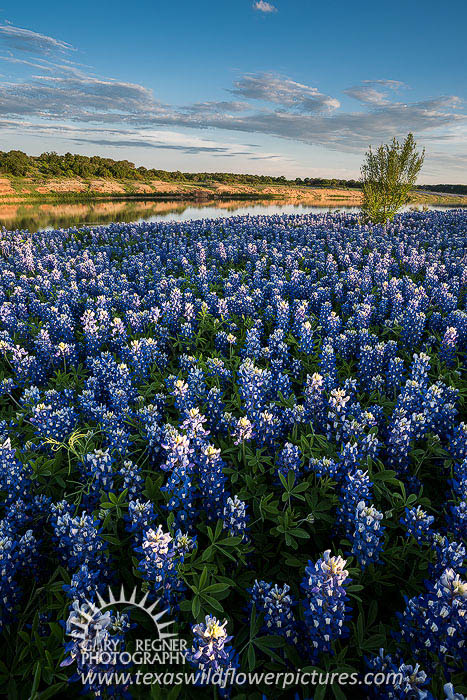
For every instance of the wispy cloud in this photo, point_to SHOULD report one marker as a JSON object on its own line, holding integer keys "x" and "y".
{"x": 265, "y": 7}
{"x": 116, "y": 113}
{"x": 148, "y": 139}
{"x": 75, "y": 97}
{"x": 284, "y": 92}
{"x": 300, "y": 113}
{"x": 374, "y": 92}
{"x": 18, "y": 39}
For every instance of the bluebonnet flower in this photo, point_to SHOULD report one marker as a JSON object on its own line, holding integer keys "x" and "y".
{"x": 149, "y": 418}
{"x": 315, "y": 404}
{"x": 412, "y": 682}
{"x": 268, "y": 428}
{"x": 403, "y": 681}
{"x": 325, "y": 605}
{"x": 457, "y": 520}
{"x": 252, "y": 347}
{"x": 328, "y": 366}
{"x": 132, "y": 479}
{"x": 14, "y": 476}
{"x": 413, "y": 325}
{"x": 338, "y": 409}
{"x": 399, "y": 441}
{"x": 184, "y": 543}
{"x": 221, "y": 343}
{"x": 19, "y": 557}
{"x": 417, "y": 524}
{"x": 275, "y": 603}
{"x": 216, "y": 368}
{"x": 84, "y": 584}
{"x": 215, "y": 409}
{"x": 158, "y": 561}
{"x": 9, "y": 589}
{"x": 325, "y": 468}
{"x": 355, "y": 488}
{"x": 211, "y": 480}
{"x": 306, "y": 341}
{"x": 211, "y": 649}
{"x": 433, "y": 624}
{"x": 181, "y": 392}
{"x": 79, "y": 540}
{"x": 140, "y": 517}
{"x": 289, "y": 459}
{"x": 243, "y": 431}
{"x": 92, "y": 631}
{"x": 235, "y": 519}
{"x": 194, "y": 427}
{"x": 370, "y": 365}
{"x": 447, "y": 350}
{"x": 196, "y": 387}
{"x": 254, "y": 386}
{"x": 179, "y": 463}
{"x": 458, "y": 441}
{"x": 99, "y": 471}
{"x": 448, "y": 555}
{"x": 366, "y": 539}
{"x": 451, "y": 693}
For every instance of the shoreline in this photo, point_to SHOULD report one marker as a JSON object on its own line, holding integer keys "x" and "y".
{"x": 17, "y": 191}
{"x": 89, "y": 198}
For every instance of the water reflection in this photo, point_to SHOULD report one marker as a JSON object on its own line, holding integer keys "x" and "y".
{"x": 36, "y": 217}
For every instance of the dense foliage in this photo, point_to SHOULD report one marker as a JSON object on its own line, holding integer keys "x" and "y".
{"x": 69, "y": 165}
{"x": 388, "y": 176}
{"x": 257, "y": 419}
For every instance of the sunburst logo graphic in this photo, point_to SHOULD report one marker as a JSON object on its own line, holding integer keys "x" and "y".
{"x": 95, "y": 612}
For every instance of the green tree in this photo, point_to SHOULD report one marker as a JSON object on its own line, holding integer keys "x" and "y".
{"x": 388, "y": 175}
{"x": 15, "y": 162}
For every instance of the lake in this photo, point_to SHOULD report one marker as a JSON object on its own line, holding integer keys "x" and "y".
{"x": 37, "y": 217}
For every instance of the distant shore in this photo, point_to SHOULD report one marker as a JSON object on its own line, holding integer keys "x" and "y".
{"x": 27, "y": 189}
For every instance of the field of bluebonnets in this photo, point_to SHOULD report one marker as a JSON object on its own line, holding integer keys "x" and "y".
{"x": 258, "y": 420}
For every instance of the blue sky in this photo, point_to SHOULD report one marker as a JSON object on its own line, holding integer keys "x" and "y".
{"x": 288, "y": 87}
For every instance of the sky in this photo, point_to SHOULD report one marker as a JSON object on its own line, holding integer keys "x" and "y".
{"x": 289, "y": 87}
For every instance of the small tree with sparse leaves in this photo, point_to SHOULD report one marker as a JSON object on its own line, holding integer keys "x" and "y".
{"x": 388, "y": 175}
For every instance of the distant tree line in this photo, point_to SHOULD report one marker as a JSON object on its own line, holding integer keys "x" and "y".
{"x": 449, "y": 189}
{"x": 52, "y": 164}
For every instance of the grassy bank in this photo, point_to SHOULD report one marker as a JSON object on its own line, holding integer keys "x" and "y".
{"x": 14, "y": 189}
{"x": 49, "y": 190}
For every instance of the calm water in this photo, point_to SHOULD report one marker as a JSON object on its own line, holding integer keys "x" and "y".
{"x": 37, "y": 217}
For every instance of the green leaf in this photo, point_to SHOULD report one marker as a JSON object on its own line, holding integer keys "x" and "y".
{"x": 213, "y": 603}
{"x": 196, "y": 606}
{"x": 53, "y": 690}
{"x": 338, "y": 693}
{"x": 216, "y": 588}
{"x": 270, "y": 641}
{"x": 251, "y": 657}
{"x": 202, "y": 579}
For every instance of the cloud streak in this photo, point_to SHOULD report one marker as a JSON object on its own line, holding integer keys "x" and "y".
{"x": 284, "y": 92}
{"x": 18, "y": 39}
{"x": 271, "y": 105}
{"x": 374, "y": 92}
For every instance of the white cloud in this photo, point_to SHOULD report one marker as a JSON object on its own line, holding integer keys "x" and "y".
{"x": 285, "y": 92}
{"x": 19, "y": 39}
{"x": 374, "y": 92}
{"x": 265, "y": 7}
